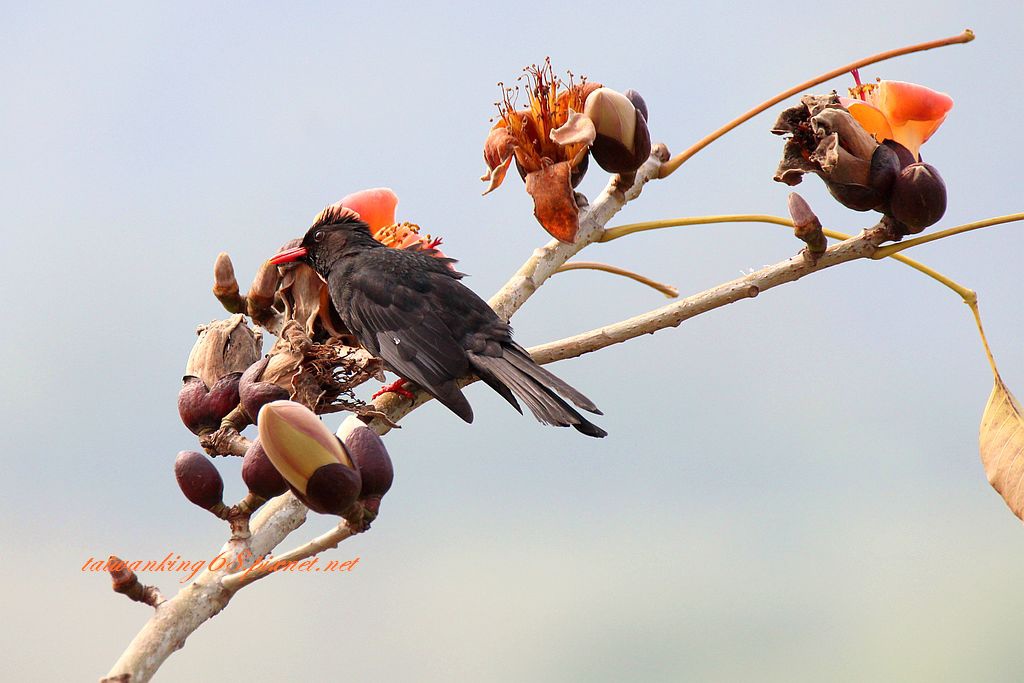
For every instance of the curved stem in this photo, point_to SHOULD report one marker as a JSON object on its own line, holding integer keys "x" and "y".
{"x": 965, "y": 293}
{"x": 967, "y": 227}
{"x": 984, "y": 340}
{"x": 668, "y": 290}
{"x": 678, "y": 160}
{"x": 623, "y": 230}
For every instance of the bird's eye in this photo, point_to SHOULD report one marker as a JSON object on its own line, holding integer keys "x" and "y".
{"x": 318, "y": 236}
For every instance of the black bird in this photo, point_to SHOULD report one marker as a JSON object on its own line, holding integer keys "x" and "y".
{"x": 407, "y": 307}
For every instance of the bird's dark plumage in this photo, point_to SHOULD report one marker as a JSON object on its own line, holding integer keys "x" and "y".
{"x": 408, "y": 308}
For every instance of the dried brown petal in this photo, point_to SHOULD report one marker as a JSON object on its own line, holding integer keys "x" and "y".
{"x": 223, "y": 347}
{"x": 554, "y": 203}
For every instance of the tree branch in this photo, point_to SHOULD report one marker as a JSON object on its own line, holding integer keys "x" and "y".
{"x": 746, "y": 287}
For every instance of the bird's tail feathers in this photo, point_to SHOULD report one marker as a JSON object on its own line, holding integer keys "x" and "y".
{"x": 515, "y": 374}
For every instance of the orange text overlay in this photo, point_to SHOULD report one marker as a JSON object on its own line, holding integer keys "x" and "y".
{"x": 243, "y": 561}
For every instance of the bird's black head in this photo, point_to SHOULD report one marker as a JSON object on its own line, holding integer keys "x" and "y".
{"x": 336, "y": 232}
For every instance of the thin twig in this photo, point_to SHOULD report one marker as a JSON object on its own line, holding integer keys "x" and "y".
{"x": 891, "y": 249}
{"x": 265, "y": 567}
{"x": 668, "y": 290}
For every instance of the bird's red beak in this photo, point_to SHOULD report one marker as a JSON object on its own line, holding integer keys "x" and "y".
{"x": 289, "y": 255}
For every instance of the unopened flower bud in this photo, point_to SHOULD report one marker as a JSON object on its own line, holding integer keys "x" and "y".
{"x": 223, "y": 347}
{"x": 918, "y": 197}
{"x": 309, "y": 457}
{"x": 613, "y": 127}
{"x": 263, "y": 289}
{"x": 370, "y": 456}
{"x": 202, "y": 409}
{"x": 259, "y": 474}
{"x": 638, "y": 102}
{"x": 199, "y": 480}
{"x": 254, "y": 394}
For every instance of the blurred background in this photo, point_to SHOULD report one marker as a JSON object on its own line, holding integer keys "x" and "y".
{"x": 791, "y": 488}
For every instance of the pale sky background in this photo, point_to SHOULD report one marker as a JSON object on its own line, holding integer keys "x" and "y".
{"x": 791, "y": 488}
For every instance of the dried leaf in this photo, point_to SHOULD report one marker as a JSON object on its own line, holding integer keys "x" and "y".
{"x": 553, "y": 202}
{"x": 1002, "y": 446}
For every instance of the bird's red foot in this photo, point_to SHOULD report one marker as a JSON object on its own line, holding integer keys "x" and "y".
{"x": 396, "y": 387}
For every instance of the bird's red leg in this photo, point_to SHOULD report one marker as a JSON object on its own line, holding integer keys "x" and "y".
{"x": 396, "y": 387}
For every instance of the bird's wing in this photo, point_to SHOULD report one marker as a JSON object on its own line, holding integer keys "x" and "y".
{"x": 396, "y": 320}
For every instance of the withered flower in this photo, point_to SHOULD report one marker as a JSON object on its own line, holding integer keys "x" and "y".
{"x": 551, "y": 140}
{"x": 209, "y": 389}
{"x": 828, "y": 141}
{"x": 223, "y": 347}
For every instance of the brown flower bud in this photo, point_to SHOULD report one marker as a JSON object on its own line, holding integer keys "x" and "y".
{"x": 370, "y": 456}
{"x": 254, "y": 394}
{"x": 202, "y": 409}
{"x": 259, "y": 474}
{"x": 199, "y": 480}
{"x": 262, "y": 291}
{"x": 311, "y": 458}
{"x": 223, "y": 347}
{"x": 918, "y": 197}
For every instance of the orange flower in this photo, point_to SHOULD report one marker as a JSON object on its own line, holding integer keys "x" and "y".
{"x": 552, "y": 138}
{"x": 376, "y": 208}
{"x": 894, "y": 110}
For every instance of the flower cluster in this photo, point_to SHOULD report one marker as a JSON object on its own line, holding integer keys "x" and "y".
{"x": 552, "y": 138}
{"x": 866, "y": 148}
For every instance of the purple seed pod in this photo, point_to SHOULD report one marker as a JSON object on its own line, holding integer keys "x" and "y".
{"x": 202, "y": 410}
{"x": 198, "y": 479}
{"x": 333, "y": 489}
{"x": 254, "y": 394}
{"x": 259, "y": 474}
{"x": 918, "y": 197}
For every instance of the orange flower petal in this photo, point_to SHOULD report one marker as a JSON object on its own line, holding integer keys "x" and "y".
{"x": 375, "y": 206}
{"x": 869, "y": 117}
{"x": 553, "y": 202}
{"x": 914, "y": 111}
